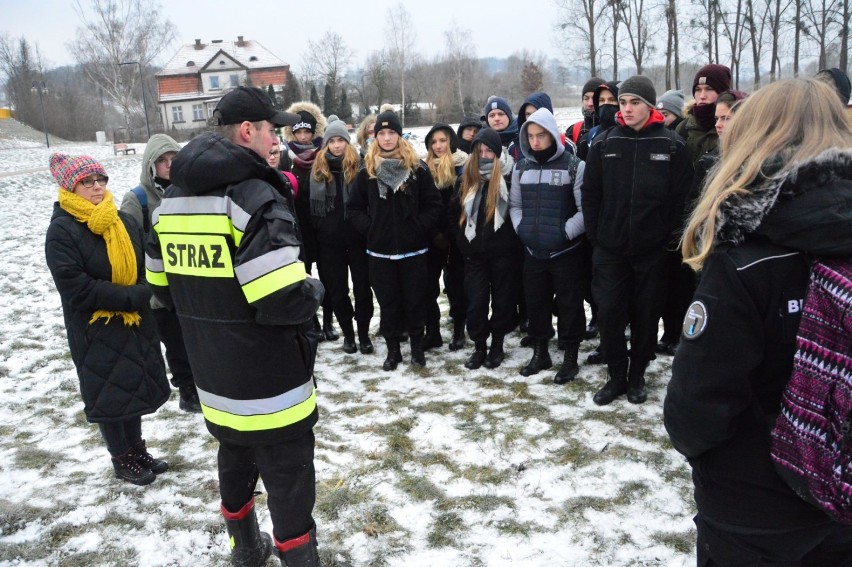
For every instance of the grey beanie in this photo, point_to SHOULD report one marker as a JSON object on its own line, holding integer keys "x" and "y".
{"x": 641, "y": 87}
{"x": 673, "y": 101}
{"x": 336, "y": 128}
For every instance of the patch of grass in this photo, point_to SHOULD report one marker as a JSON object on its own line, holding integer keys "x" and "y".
{"x": 358, "y": 410}
{"x": 482, "y": 503}
{"x": 336, "y": 495}
{"x": 682, "y": 542}
{"x": 521, "y": 391}
{"x": 34, "y": 458}
{"x": 14, "y": 516}
{"x": 377, "y": 521}
{"x": 420, "y": 488}
{"x": 483, "y": 474}
{"x": 574, "y": 453}
{"x": 446, "y": 530}
{"x": 440, "y": 407}
{"x": 436, "y": 458}
{"x": 491, "y": 382}
{"x": 514, "y": 527}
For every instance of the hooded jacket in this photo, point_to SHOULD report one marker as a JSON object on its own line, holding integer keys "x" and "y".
{"x": 224, "y": 251}
{"x": 545, "y": 199}
{"x": 634, "y": 187}
{"x": 465, "y": 145}
{"x": 698, "y": 140}
{"x": 720, "y": 409}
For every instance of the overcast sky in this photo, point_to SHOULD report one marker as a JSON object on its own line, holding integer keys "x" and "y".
{"x": 285, "y": 26}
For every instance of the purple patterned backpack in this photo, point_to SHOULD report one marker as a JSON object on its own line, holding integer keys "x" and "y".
{"x": 812, "y": 437}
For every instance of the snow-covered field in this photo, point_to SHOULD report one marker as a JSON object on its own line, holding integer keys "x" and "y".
{"x": 441, "y": 466}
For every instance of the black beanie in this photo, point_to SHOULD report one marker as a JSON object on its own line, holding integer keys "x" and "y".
{"x": 591, "y": 85}
{"x": 839, "y": 81}
{"x": 306, "y": 121}
{"x": 491, "y": 139}
{"x": 641, "y": 87}
{"x": 454, "y": 141}
{"x": 388, "y": 119}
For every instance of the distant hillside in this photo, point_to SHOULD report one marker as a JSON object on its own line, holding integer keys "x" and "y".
{"x": 14, "y": 134}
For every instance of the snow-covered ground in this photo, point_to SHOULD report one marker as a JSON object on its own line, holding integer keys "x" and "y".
{"x": 441, "y": 466}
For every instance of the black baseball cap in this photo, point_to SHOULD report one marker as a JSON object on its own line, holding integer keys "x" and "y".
{"x": 250, "y": 104}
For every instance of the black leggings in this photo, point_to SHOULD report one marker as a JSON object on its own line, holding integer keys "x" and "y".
{"x": 120, "y": 435}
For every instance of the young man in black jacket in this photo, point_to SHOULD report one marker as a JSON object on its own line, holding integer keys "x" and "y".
{"x": 637, "y": 175}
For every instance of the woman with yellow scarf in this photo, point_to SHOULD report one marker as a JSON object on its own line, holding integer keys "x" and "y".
{"x": 95, "y": 255}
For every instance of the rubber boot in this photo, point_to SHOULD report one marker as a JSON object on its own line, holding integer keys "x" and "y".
{"x": 496, "y": 356}
{"x": 595, "y": 357}
{"x": 636, "y": 393}
{"x": 328, "y": 325}
{"x": 458, "y": 336}
{"x": 615, "y": 386}
{"x": 250, "y": 547}
{"x": 569, "y": 369}
{"x": 478, "y": 356}
{"x": 147, "y": 460}
{"x": 365, "y": 345}
{"x": 394, "y": 355}
{"x": 300, "y": 551}
{"x": 349, "y": 346}
{"x": 418, "y": 355}
{"x": 540, "y": 359}
{"x": 433, "y": 337}
{"x": 127, "y": 467}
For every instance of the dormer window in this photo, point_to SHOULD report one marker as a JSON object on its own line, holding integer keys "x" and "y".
{"x": 253, "y": 58}
{"x": 190, "y": 63}
{"x": 221, "y": 62}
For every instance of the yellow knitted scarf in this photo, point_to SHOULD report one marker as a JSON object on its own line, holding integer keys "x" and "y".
{"x": 102, "y": 219}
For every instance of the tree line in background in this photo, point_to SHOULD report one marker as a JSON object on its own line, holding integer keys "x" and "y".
{"x": 667, "y": 40}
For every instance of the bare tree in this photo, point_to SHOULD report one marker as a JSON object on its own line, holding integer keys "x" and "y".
{"x": 636, "y": 16}
{"x": 844, "y": 37}
{"x": 707, "y": 21}
{"x": 823, "y": 17}
{"x": 579, "y": 22}
{"x": 732, "y": 21}
{"x": 377, "y": 74}
{"x": 402, "y": 35}
{"x": 774, "y": 14}
{"x": 614, "y": 14}
{"x": 460, "y": 54}
{"x": 20, "y": 65}
{"x": 329, "y": 58}
{"x": 114, "y": 32}
{"x": 672, "y": 45}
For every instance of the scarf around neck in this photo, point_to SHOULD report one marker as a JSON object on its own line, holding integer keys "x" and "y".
{"x": 391, "y": 173}
{"x": 102, "y": 219}
{"x": 473, "y": 201}
{"x": 323, "y": 192}
{"x": 305, "y": 154}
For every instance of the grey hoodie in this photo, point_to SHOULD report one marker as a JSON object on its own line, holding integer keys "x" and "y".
{"x": 157, "y": 146}
{"x": 536, "y": 177}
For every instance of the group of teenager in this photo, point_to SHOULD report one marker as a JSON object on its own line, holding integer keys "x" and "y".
{"x": 518, "y": 222}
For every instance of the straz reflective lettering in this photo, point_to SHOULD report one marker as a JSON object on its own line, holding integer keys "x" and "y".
{"x": 197, "y": 255}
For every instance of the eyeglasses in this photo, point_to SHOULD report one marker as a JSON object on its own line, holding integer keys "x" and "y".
{"x": 89, "y": 182}
{"x": 274, "y": 154}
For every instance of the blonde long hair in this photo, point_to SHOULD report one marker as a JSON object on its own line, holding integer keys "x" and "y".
{"x": 403, "y": 151}
{"x": 351, "y": 164}
{"x": 794, "y": 120}
{"x": 443, "y": 169}
{"x": 471, "y": 181}
{"x": 361, "y": 133}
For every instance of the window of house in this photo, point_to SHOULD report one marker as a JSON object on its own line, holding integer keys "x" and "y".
{"x": 177, "y": 114}
{"x": 235, "y": 81}
{"x": 198, "y": 112}
{"x": 214, "y": 83}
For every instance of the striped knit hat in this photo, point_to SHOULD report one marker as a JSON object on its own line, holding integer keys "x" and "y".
{"x": 69, "y": 170}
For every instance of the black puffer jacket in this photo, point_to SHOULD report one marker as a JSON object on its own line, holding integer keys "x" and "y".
{"x": 720, "y": 408}
{"x": 120, "y": 368}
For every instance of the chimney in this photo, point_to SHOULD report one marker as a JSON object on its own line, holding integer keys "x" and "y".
{"x": 198, "y": 44}
{"x": 240, "y": 41}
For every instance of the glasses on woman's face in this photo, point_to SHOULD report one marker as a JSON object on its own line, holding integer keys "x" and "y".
{"x": 275, "y": 154}
{"x": 89, "y": 182}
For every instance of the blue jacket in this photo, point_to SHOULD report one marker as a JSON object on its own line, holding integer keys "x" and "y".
{"x": 544, "y": 199}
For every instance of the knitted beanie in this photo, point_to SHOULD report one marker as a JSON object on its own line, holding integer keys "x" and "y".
{"x": 496, "y": 103}
{"x": 69, "y": 170}
{"x": 454, "y": 141}
{"x": 672, "y": 101}
{"x": 837, "y": 79}
{"x": 491, "y": 139}
{"x": 335, "y": 128}
{"x": 307, "y": 121}
{"x": 641, "y": 87}
{"x": 332, "y": 118}
{"x": 717, "y": 77}
{"x": 591, "y": 85}
{"x": 388, "y": 119}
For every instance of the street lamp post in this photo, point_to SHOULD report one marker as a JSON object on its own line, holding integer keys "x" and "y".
{"x": 40, "y": 88}
{"x": 142, "y": 83}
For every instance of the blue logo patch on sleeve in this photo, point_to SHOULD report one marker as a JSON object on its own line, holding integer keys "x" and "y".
{"x": 695, "y": 322}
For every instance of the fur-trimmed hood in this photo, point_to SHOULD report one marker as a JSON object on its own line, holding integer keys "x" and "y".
{"x": 315, "y": 110}
{"x": 807, "y": 207}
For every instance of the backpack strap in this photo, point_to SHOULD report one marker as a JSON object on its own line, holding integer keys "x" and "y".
{"x": 575, "y": 131}
{"x": 143, "y": 201}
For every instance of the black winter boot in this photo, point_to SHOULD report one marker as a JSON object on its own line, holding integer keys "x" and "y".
{"x": 636, "y": 393}
{"x": 316, "y": 329}
{"x": 418, "y": 355}
{"x": 496, "y": 356}
{"x": 433, "y": 337}
{"x": 328, "y": 325}
{"x": 569, "y": 369}
{"x": 458, "y": 336}
{"x": 349, "y": 346}
{"x": 147, "y": 460}
{"x": 540, "y": 359}
{"x": 189, "y": 399}
{"x": 394, "y": 355}
{"x": 250, "y": 547}
{"x": 477, "y": 357}
{"x": 595, "y": 357}
{"x": 615, "y": 386}
{"x": 300, "y": 551}
{"x": 365, "y": 345}
{"x": 127, "y": 468}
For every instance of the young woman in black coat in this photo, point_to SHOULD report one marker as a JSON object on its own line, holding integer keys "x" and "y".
{"x": 95, "y": 255}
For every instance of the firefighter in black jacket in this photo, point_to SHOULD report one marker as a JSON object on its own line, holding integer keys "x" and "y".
{"x": 637, "y": 175}
{"x": 224, "y": 252}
